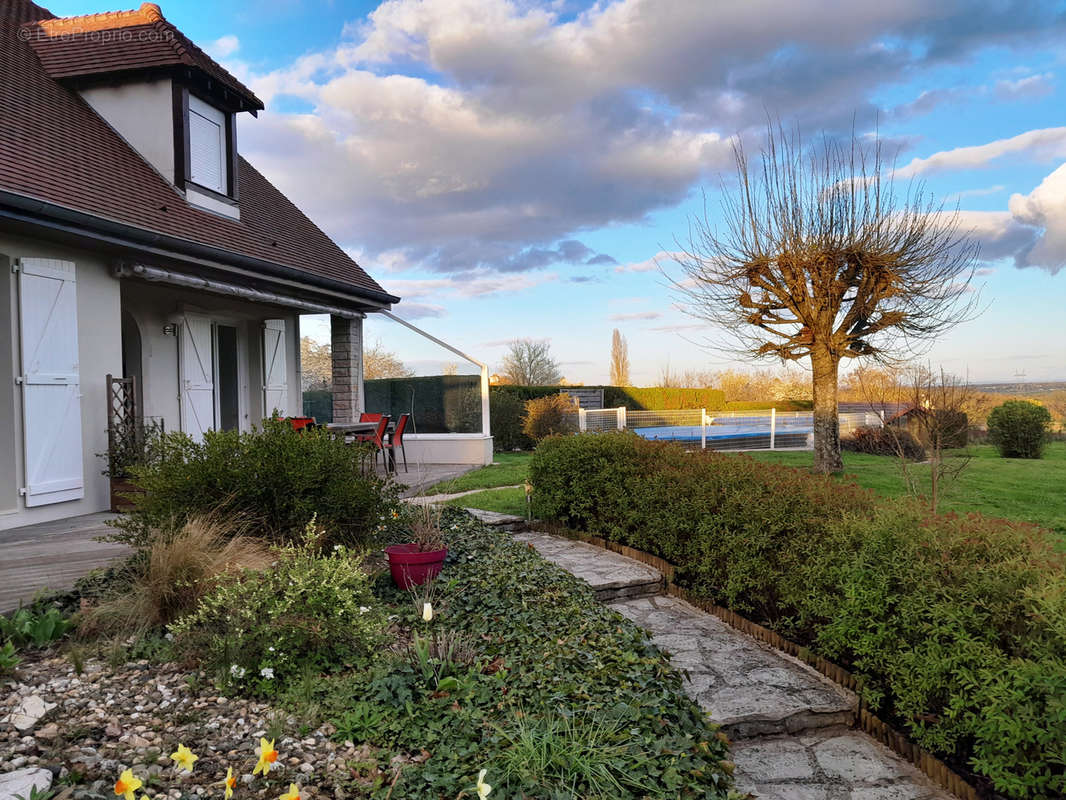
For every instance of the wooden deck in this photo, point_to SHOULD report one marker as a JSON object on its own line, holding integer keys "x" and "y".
{"x": 52, "y": 555}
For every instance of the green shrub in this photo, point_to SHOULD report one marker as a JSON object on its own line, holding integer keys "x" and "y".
{"x": 957, "y": 624}
{"x": 505, "y": 410}
{"x": 261, "y": 629}
{"x": 660, "y": 398}
{"x": 1019, "y": 428}
{"x": 8, "y": 658}
{"x": 883, "y": 442}
{"x": 276, "y": 476}
{"x": 780, "y": 405}
{"x": 545, "y": 416}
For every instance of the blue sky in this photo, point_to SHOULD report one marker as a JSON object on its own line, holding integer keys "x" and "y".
{"x": 512, "y": 168}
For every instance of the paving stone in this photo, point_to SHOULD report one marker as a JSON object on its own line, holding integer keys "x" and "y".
{"x": 609, "y": 574}
{"x": 746, "y": 687}
{"x": 788, "y": 722}
{"x": 854, "y": 757}
{"x": 508, "y": 522}
{"x": 21, "y": 781}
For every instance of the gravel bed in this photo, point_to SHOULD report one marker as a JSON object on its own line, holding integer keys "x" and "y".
{"x": 108, "y": 719}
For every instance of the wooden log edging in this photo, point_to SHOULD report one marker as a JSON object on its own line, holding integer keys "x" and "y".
{"x": 931, "y": 766}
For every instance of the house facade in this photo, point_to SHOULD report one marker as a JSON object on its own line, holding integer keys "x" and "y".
{"x": 136, "y": 242}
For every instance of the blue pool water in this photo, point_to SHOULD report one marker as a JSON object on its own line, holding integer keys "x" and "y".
{"x": 740, "y": 429}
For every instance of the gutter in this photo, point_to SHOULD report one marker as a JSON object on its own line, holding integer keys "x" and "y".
{"x": 68, "y": 220}
{"x": 157, "y": 275}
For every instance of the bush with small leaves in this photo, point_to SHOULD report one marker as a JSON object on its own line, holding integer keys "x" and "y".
{"x": 1019, "y": 428}
{"x": 549, "y": 415}
{"x": 884, "y": 442}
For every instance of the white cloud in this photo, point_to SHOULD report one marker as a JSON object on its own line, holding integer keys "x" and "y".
{"x": 982, "y": 192}
{"x": 1044, "y": 208}
{"x": 532, "y": 125}
{"x": 1043, "y": 144}
{"x": 223, "y": 47}
{"x": 660, "y": 259}
{"x": 635, "y": 315}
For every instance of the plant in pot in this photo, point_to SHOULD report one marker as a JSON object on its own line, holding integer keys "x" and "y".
{"x": 422, "y": 558}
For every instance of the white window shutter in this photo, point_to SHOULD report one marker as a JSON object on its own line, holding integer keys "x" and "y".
{"x": 197, "y": 376}
{"x": 207, "y": 145}
{"x": 51, "y": 391}
{"x": 275, "y": 374}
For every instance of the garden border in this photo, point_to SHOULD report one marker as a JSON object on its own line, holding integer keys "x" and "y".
{"x": 935, "y": 769}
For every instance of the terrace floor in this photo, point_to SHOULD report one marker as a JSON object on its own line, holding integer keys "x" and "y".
{"x": 52, "y": 555}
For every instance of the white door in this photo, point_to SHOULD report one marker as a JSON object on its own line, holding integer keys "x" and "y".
{"x": 275, "y": 384}
{"x": 51, "y": 394}
{"x": 197, "y": 376}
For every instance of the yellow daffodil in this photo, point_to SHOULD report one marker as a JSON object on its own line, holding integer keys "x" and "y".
{"x": 267, "y": 756}
{"x": 127, "y": 784}
{"x": 292, "y": 794}
{"x": 184, "y": 758}
{"x": 230, "y": 783}
{"x": 483, "y": 788}
{"x": 427, "y": 611}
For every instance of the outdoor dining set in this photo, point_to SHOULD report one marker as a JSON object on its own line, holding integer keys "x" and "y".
{"x": 378, "y": 430}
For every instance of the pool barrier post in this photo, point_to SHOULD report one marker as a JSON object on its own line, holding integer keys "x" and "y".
{"x": 773, "y": 426}
{"x": 621, "y": 412}
{"x": 703, "y": 428}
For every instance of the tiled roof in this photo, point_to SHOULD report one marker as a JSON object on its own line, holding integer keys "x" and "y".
{"x": 56, "y": 149}
{"x": 122, "y": 41}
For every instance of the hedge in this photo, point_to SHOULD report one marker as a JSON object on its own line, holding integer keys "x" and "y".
{"x": 956, "y": 624}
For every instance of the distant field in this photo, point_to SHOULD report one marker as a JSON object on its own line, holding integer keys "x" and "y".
{"x": 1028, "y": 490}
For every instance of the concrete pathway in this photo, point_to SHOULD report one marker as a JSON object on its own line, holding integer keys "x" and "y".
{"x": 790, "y": 725}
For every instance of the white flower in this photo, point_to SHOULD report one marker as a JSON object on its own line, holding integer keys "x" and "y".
{"x": 427, "y": 611}
{"x": 237, "y": 671}
{"x": 364, "y": 609}
{"x": 271, "y": 649}
{"x": 482, "y": 788}
{"x": 169, "y": 637}
{"x": 267, "y": 673}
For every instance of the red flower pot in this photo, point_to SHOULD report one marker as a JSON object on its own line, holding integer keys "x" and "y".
{"x": 411, "y": 567}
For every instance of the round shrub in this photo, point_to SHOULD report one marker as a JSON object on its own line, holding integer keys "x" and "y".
{"x": 549, "y": 415}
{"x": 1019, "y": 428}
{"x": 264, "y": 628}
{"x": 884, "y": 442}
{"x": 276, "y": 476}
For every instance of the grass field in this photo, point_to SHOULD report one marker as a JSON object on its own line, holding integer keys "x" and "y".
{"x": 1022, "y": 489}
{"x": 505, "y": 501}
{"x": 1028, "y": 490}
{"x": 508, "y": 469}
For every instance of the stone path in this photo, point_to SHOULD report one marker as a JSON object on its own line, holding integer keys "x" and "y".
{"x": 790, "y": 726}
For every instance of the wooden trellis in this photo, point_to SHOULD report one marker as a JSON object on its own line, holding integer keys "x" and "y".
{"x": 123, "y": 420}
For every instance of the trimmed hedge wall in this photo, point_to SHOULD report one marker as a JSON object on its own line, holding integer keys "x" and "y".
{"x": 956, "y": 624}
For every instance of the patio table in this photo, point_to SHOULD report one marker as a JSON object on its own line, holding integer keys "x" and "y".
{"x": 357, "y": 428}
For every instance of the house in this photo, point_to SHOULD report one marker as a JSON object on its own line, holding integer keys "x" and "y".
{"x": 136, "y": 241}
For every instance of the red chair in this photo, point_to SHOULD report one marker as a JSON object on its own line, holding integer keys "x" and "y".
{"x": 377, "y": 438}
{"x": 301, "y": 423}
{"x": 365, "y": 417}
{"x": 396, "y": 440}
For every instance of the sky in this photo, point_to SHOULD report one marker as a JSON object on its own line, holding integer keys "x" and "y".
{"x": 515, "y": 168}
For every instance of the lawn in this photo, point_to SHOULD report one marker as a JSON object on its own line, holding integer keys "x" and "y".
{"x": 508, "y": 469}
{"x": 504, "y": 501}
{"x": 1020, "y": 489}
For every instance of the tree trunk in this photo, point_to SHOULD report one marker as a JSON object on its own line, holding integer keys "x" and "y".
{"x": 826, "y": 420}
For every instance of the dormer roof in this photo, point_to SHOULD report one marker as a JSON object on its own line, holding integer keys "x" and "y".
{"x": 127, "y": 44}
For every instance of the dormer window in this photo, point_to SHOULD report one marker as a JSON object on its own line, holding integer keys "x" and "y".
{"x": 207, "y": 146}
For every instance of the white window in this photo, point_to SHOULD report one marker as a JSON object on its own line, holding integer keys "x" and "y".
{"x": 207, "y": 145}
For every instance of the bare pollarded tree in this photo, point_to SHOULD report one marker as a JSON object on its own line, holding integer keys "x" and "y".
{"x": 820, "y": 259}
{"x": 619, "y": 359}
{"x": 529, "y": 363}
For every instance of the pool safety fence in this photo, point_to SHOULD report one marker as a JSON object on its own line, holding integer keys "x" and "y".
{"x": 721, "y": 430}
